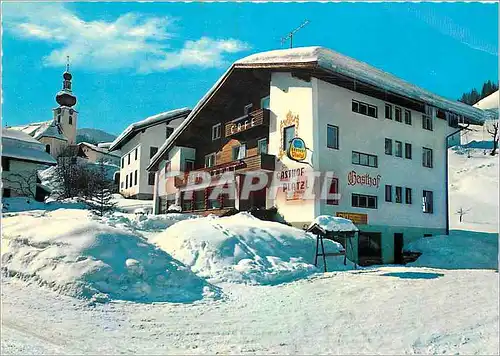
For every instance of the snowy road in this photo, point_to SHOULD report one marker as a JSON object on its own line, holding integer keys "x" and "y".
{"x": 387, "y": 310}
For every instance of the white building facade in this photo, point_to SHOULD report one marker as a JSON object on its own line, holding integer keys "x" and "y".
{"x": 138, "y": 144}
{"x": 370, "y": 136}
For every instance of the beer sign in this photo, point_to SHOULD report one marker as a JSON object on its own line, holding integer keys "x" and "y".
{"x": 297, "y": 150}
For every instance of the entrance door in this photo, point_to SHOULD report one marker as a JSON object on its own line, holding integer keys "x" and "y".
{"x": 369, "y": 248}
{"x": 398, "y": 248}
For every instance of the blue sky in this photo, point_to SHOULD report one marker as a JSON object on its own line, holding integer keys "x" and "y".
{"x": 133, "y": 60}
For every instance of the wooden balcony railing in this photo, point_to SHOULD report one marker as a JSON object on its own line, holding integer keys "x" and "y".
{"x": 264, "y": 162}
{"x": 254, "y": 119}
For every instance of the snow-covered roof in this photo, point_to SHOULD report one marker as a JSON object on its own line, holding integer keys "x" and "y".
{"x": 328, "y": 223}
{"x": 330, "y": 61}
{"x": 19, "y": 145}
{"x": 132, "y": 129}
{"x": 104, "y": 144}
{"x": 41, "y": 129}
{"x": 490, "y": 102}
{"x": 99, "y": 149}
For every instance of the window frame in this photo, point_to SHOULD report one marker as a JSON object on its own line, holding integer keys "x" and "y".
{"x": 135, "y": 177}
{"x": 151, "y": 150}
{"x": 408, "y": 120}
{"x": 396, "y": 145}
{"x": 214, "y": 158}
{"x": 390, "y": 111}
{"x": 408, "y": 195}
{"x": 388, "y": 140}
{"x": 396, "y": 110}
{"x": 357, "y": 196}
{"x": 128, "y": 159}
{"x": 367, "y": 155}
{"x": 427, "y": 119}
{"x": 5, "y": 164}
{"x": 216, "y": 131}
{"x": 408, "y": 156}
{"x": 259, "y": 141}
{"x": 388, "y": 193}
{"x": 123, "y": 162}
{"x": 185, "y": 165}
{"x": 136, "y": 153}
{"x": 264, "y": 100}
{"x": 336, "y": 130}
{"x": 357, "y": 110}
{"x": 167, "y": 130}
{"x": 398, "y": 198}
{"x": 426, "y": 162}
{"x": 336, "y": 191}
{"x": 427, "y": 207}
{"x": 285, "y": 144}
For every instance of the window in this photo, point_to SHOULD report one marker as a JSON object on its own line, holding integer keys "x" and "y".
{"x": 388, "y": 111}
{"x": 262, "y": 146}
{"x": 131, "y": 179}
{"x": 288, "y": 135}
{"x": 169, "y": 131}
{"x": 128, "y": 158}
{"x": 216, "y": 129}
{"x": 210, "y": 160}
{"x": 152, "y": 151}
{"x": 59, "y": 119}
{"x": 70, "y": 120}
{"x": 332, "y": 136}
{"x": 364, "y": 201}
{"x": 126, "y": 182}
{"x": 399, "y": 195}
{"x": 364, "y": 108}
{"x": 136, "y": 152}
{"x": 388, "y": 193}
{"x": 364, "y": 159}
{"x": 399, "y": 149}
{"x": 408, "y": 195}
{"x": 334, "y": 189}
{"x": 238, "y": 152}
{"x": 188, "y": 165}
{"x": 408, "y": 150}
{"x": 388, "y": 146}
{"x": 427, "y": 205}
{"x": 199, "y": 199}
{"x": 121, "y": 185}
{"x": 123, "y": 162}
{"x": 6, "y": 193}
{"x": 427, "y": 122}
{"x": 408, "y": 117}
{"x": 427, "y": 157}
{"x": 265, "y": 102}
{"x": 151, "y": 178}
{"x": 135, "y": 177}
{"x": 247, "y": 109}
{"x": 398, "y": 117}
{"x": 453, "y": 119}
{"x": 47, "y": 149}
{"x": 5, "y": 164}
{"x": 186, "y": 203}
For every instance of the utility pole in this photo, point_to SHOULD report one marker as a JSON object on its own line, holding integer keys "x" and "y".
{"x": 291, "y": 33}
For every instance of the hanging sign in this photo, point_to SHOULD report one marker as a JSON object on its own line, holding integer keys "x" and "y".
{"x": 297, "y": 150}
{"x": 356, "y": 218}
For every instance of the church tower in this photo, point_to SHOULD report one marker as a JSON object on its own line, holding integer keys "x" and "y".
{"x": 64, "y": 114}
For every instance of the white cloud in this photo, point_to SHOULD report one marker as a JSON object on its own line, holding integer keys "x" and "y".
{"x": 130, "y": 41}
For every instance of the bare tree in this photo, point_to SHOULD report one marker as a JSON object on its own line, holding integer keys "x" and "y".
{"x": 461, "y": 212}
{"x": 493, "y": 131}
{"x": 22, "y": 182}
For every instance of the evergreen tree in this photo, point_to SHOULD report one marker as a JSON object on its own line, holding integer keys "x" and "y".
{"x": 474, "y": 95}
{"x": 100, "y": 189}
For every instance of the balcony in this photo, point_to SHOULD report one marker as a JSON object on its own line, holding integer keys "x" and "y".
{"x": 242, "y": 124}
{"x": 263, "y": 162}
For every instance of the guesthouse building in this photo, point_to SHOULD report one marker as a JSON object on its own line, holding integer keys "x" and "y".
{"x": 377, "y": 143}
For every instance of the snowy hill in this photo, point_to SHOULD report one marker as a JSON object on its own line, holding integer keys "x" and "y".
{"x": 93, "y": 136}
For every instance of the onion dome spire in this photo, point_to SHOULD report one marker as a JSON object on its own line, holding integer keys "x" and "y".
{"x": 65, "y": 97}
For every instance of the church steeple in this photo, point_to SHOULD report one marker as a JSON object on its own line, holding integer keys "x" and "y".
{"x": 65, "y": 97}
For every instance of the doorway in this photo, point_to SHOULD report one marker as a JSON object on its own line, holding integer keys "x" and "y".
{"x": 398, "y": 248}
{"x": 369, "y": 248}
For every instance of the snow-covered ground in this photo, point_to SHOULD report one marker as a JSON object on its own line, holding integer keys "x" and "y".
{"x": 181, "y": 284}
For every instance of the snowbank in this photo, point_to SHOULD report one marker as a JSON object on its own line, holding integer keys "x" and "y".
{"x": 333, "y": 223}
{"x": 244, "y": 249}
{"x": 19, "y": 204}
{"x": 459, "y": 250}
{"x": 145, "y": 223}
{"x": 68, "y": 252}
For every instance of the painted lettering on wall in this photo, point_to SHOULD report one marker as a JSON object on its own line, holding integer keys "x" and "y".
{"x": 294, "y": 182}
{"x": 241, "y": 126}
{"x": 354, "y": 178}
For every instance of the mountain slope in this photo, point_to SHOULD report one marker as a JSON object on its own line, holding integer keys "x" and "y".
{"x": 93, "y": 136}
